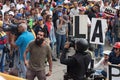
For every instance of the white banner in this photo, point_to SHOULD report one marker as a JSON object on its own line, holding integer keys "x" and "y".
{"x": 98, "y": 29}
{"x": 110, "y": 11}
{"x": 80, "y": 28}
{"x": 113, "y": 72}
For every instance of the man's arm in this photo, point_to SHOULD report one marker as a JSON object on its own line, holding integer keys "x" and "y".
{"x": 49, "y": 59}
{"x": 13, "y": 44}
{"x": 63, "y": 59}
{"x": 50, "y": 64}
{"x": 25, "y": 55}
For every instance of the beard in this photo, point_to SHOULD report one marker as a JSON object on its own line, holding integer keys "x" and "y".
{"x": 39, "y": 41}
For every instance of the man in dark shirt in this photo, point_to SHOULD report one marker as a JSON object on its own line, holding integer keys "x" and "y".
{"x": 114, "y": 57}
{"x": 41, "y": 27}
{"x": 77, "y": 64}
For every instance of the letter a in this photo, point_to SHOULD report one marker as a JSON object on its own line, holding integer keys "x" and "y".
{"x": 99, "y": 35}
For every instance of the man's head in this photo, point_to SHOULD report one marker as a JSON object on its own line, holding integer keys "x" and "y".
{"x": 81, "y": 45}
{"x": 22, "y": 27}
{"x": 7, "y": 2}
{"x": 75, "y": 3}
{"x": 96, "y": 7}
{"x": 106, "y": 54}
{"x": 39, "y": 38}
{"x": 40, "y": 20}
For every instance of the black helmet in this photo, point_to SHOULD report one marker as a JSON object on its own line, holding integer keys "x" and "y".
{"x": 82, "y": 45}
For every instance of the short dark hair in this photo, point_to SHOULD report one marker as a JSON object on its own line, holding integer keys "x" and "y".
{"x": 97, "y": 5}
{"x": 41, "y": 31}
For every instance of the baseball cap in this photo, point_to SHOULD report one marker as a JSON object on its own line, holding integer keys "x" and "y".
{"x": 60, "y": 14}
{"x": 40, "y": 18}
{"x": 11, "y": 13}
{"x": 45, "y": 1}
{"x": 107, "y": 52}
{"x": 19, "y": 14}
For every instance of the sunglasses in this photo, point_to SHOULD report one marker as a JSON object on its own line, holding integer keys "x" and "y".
{"x": 116, "y": 48}
{"x": 50, "y": 18}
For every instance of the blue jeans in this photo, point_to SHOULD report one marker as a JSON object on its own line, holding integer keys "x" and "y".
{"x": 101, "y": 72}
{"x": 2, "y": 58}
{"x": 19, "y": 64}
{"x": 99, "y": 49}
{"x": 60, "y": 42}
{"x": 109, "y": 37}
{"x": 22, "y": 69}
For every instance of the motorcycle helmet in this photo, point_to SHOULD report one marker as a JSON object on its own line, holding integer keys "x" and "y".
{"x": 82, "y": 45}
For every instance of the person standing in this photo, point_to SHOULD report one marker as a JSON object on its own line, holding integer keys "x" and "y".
{"x": 77, "y": 65}
{"x": 21, "y": 43}
{"x": 116, "y": 27}
{"x": 52, "y": 36}
{"x": 39, "y": 51}
{"x": 62, "y": 29}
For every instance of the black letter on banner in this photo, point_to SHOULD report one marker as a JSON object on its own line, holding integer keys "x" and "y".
{"x": 95, "y": 34}
{"x": 110, "y": 71}
{"x": 77, "y": 35}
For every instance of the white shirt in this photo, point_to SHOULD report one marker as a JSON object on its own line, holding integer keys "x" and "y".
{"x": 19, "y": 6}
{"x": 74, "y": 12}
{"x": 101, "y": 65}
{"x": 5, "y": 8}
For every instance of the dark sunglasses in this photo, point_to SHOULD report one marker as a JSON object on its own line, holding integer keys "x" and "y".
{"x": 116, "y": 48}
{"x": 50, "y": 18}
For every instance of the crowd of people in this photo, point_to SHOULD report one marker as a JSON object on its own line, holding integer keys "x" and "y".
{"x": 29, "y": 30}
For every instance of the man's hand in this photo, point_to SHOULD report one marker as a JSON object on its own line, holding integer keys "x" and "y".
{"x": 26, "y": 63}
{"x": 67, "y": 45}
{"x": 119, "y": 65}
{"x": 109, "y": 63}
{"x": 49, "y": 73}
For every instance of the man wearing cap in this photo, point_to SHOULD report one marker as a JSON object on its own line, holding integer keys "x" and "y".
{"x": 103, "y": 64}
{"x": 41, "y": 27}
{"x": 114, "y": 57}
